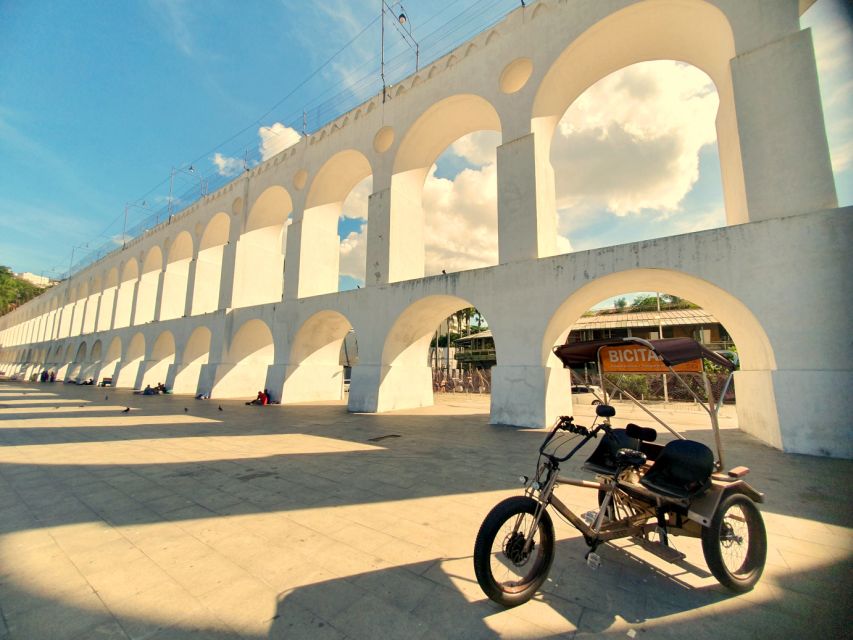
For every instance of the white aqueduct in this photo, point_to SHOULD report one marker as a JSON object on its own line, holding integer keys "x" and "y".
{"x": 182, "y": 303}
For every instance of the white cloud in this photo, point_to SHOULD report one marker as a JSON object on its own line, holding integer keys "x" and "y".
{"x": 477, "y": 148}
{"x": 632, "y": 140}
{"x": 461, "y": 220}
{"x": 355, "y": 205}
{"x": 354, "y": 253}
{"x": 226, "y": 166}
{"x": 276, "y": 138}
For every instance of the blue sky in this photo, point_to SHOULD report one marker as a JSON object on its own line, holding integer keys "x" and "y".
{"x": 99, "y": 100}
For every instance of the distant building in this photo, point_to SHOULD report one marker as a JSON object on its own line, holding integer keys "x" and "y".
{"x": 676, "y": 323}
{"x": 39, "y": 281}
{"x": 478, "y": 350}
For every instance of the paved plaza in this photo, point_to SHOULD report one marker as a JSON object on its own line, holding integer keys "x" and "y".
{"x": 180, "y": 520}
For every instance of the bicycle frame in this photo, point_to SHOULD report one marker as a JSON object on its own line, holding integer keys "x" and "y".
{"x": 633, "y": 514}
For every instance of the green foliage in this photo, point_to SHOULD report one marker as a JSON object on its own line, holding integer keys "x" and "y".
{"x": 620, "y": 303}
{"x": 14, "y": 291}
{"x": 667, "y": 302}
{"x": 635, "y": 384}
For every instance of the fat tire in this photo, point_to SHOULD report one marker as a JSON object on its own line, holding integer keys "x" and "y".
{"x": 745, "y": 578}
{"x": 496, "y": 518}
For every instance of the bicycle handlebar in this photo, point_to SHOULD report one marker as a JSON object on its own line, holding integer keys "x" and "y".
{"x": 566, "y": 423}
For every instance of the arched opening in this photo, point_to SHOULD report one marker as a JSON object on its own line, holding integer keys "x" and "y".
{"x": 408, "y": 378}
{"x": 196, "y": 354}
{"x": 756, "y": 408}
{"x": 251, "y": 353}
{"x": 108, "y": 300}
{"x": 334, "y": 225}
{"x": 162, "y": 356}
{"x": 111, "y": 361}
{"x": 461, "y": 207}
{"x": 319, "y": 358}
{"x": 173, "y": 300}
{"x": 434, "y": 131}
{"x": 208, "y": 267}
{"x": 91, "y": 316}
{"x": 80, "y": 296}
{"x": 692, "y": 32}
{"x": 635, "y": 157}
{"x": 49, "y": 331}
{"x": 75, "y": 368}
{"x": 93, "y": 363}
{"x": 128, "y": 369}
{"x": 149, "y": 283}
{"x": 126, "y": 293}
{"x": 259, "y": 267}
{"x": 65, "y": 314}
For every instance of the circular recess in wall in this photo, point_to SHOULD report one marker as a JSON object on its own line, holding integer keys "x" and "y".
{"x": 516, "y": 74}
{"x": 383, "y": 139}
{"x": 237, "y": 206}
{"x": 300, "y": 179}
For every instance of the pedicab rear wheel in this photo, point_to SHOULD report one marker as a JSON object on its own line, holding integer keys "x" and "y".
{"x": 735, "y": 543}
{"x": 510, "y": 572}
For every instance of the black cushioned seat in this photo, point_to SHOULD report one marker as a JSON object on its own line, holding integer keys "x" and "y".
{"x": 603, "y": 459}
{"x": 682, "y": 470}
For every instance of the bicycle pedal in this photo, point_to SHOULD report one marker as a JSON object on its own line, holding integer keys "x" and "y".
{"x": 593, "y": 560}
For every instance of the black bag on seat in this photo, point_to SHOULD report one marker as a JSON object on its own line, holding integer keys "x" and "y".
{"x": 603, "y": 459}
{"x": 682, "y": 470}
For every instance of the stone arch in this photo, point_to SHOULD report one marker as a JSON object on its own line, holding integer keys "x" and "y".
{"x": 149, "y": 285}
{"x": 90, "y": 317}
{"x": 129, "y": 369}
{"x": 692, "y": 31}
{"x": 76, "y": 366}
{"x": 111, "y": 360}
{"x": 259, "y": 267}
{"x": 756, "y": 406}
{"x": 208, "y": 267}
{"x": 195, "y": 355}
{"x": 173, "y": 299}
{"x": 108, "y": 300}
{"x": 315, "y": 371}
{"x": 81, "y": 294}
{"x": 440, "y": 125}
{"x": 93, "y": 362}
{"x": 406, "y": 377}
{"x": 250, "y": 354}
{"x": 126, "y": 293}
{"x": 319, "y": 263}
{"x": 161, "y": 358}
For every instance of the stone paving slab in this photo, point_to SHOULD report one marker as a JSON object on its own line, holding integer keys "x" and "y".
{"x": 178, "y": 520}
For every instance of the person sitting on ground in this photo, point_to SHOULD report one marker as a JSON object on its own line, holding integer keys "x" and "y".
{"x": 160, "y": 388}
{"x": 262, "y": 399}
{"x": 148, "y": 391}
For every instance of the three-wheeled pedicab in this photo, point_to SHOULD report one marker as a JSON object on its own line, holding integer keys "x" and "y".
{"x": 646, "y": 491}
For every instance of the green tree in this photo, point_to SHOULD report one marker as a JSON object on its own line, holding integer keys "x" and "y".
{"x": 14, "y": 291}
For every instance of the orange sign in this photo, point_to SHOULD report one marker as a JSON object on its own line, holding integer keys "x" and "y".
{"x": 634, "y": 358}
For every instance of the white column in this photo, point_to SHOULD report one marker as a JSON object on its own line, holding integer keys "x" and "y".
{"x": 786, "y": 162}
{"x": 527, "y": 214}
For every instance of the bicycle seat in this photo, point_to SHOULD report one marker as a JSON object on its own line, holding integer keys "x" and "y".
{"x": 605, "y": 411}
{"x": 603, "y": 460}
{"x": 630, "y": 458}
{"x": 682, "y": 470}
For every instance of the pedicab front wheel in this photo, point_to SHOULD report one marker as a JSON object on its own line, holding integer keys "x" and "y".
{"x": 509, "y": 569}
{"x": 735, "y": 543}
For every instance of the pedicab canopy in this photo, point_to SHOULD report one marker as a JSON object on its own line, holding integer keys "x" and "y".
{"x": 635, "y": 355}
